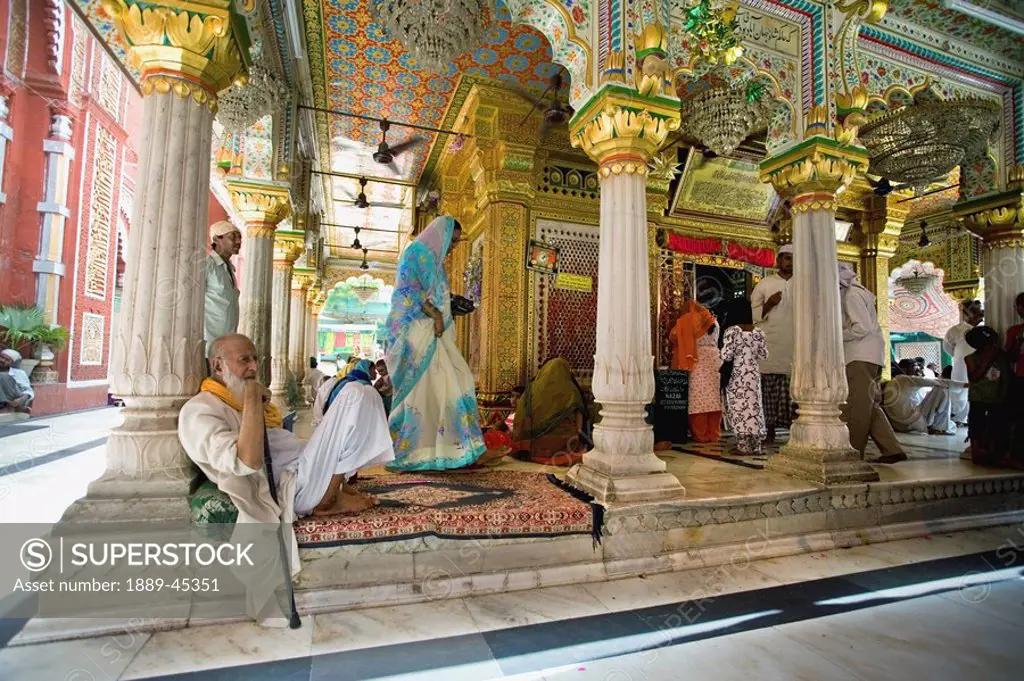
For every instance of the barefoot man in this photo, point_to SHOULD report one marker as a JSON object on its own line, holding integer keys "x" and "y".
{"x": 222, "y": 430}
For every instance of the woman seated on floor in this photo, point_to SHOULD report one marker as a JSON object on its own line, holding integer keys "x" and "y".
{"x": 551, "y": 420}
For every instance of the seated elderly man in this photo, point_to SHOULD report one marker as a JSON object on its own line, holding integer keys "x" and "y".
{"x": 915, "y": 404}
{"x": 223, "y": 429}
{"x": 16, "y": 392}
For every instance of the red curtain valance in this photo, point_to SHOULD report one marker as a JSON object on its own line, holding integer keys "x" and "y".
{"x": 762, "y": 257}
{"x": 686, "y": 244}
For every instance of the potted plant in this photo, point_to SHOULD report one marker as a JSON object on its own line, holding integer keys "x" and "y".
{"x": 25, "y": 325}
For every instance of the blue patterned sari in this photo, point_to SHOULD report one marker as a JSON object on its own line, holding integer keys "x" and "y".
{"x": 434, "y": 420}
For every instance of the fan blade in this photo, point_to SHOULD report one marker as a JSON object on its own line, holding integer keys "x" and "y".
{"x": 393, "y": 168}
{"x": 527, "y": 95}
{"x": 545, "y": 127}
{"x": 386, "y": 204}
{"x": 397, "y": 149}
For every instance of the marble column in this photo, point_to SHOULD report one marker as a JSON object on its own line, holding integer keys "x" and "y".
{"x": 157, "y": 358}
{"x": 262, "y": 206}
{"x": 297, "y": 338}
{"x": 622, "y": 467}
{"x": 819, "y": 448}
{"x": 53, "y": 211}
{"x": 999, "y": 220}
{"x": 286, "y": 250}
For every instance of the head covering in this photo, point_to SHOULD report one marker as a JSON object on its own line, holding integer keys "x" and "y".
{"x": 221, "y": 228}
{"x": 359, "y": 373}
{"x": 421, "y": 277}
{"x": 694, "y": 323}
{"x": 786, "y": 248}
{"x": 981, "y": 337}
{"x": 847, "y": 275}
{"x": 12, "y": 355}
{"x": 552, "y": 397}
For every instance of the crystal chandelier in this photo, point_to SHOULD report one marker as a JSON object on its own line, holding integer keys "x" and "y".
{"x": 364, "y": 288}
{"x": 722, "y": 117}
{"x": 916, "y": 281}
{"x": 435, "y": 32}
{"x": 924, "y": 141}
{"x": 242, "y": 106}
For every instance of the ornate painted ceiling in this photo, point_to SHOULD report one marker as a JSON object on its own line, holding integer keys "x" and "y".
{"x": 934, "y": 15}
{"x": 358, "y": 68}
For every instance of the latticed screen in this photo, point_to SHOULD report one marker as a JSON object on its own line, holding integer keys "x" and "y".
{"x": 565, "y": 322}
{"x": 931, "y": 351}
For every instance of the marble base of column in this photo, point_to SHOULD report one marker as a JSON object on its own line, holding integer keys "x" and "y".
{"x": 819, "y": 443}
{"x": 622, "y": 467}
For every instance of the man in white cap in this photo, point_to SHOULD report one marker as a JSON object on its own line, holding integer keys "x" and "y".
{"x": 16, "y": 392}
{"x": 864, "y": 351}
{"x": 221, "y": 288}
{"x": 772, "y": 305}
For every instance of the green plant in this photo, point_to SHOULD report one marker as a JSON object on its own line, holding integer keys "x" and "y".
{"x": 54, "y": 336}
{"x": 293, "y": 394}
{"x": 21, "y": 324}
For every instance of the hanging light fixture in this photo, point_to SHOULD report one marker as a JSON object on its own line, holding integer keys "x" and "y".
{"x": 364, "y": 265}
{"x": 435, "y": 32}
{"x": 915, "y": 279}
{"x": 355, "y": 244}
{"x": 924, "y": 240}
{"x": 724, "y": 116}
{"x": 243, "y": 105}
{"x": 364, "y": 288}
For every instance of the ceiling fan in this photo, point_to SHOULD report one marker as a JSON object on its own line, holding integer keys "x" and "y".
{"x": 385, "y": 154}
{"x": 364, "y": 265}
{"x": 355, "y": 244}
{"x": 360, "y": 200}
{"x": 883, "y": 187}
{"x": 555, "y": 111}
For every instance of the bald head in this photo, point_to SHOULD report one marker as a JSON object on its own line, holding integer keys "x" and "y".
{"x": 233, "y": 355}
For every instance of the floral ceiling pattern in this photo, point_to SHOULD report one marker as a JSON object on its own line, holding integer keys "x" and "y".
{"x": 933, "y": 15}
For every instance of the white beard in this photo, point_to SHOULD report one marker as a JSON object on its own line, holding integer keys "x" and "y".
{"x": 235, "y": 384}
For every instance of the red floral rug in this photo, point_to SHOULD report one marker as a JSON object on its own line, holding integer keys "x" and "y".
{"x": 456, "y": 505}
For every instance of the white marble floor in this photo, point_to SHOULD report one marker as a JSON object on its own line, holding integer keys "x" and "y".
{"x": 922, "y": 608}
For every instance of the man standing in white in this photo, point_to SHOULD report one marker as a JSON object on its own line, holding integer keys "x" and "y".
{"x": 864, "y": 350}
{"x": 772, "y": 305}
{"x": 955, "y": 344}
{"x": 221, "y": 305}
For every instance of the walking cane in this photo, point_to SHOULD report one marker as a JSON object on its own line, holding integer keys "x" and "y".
{"x": 293, "y": 621}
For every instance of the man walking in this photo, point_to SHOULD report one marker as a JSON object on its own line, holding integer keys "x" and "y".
{"x": 772, "y": 306}
{"x": 864, "y": 349}
{"x": 221, "y": 318}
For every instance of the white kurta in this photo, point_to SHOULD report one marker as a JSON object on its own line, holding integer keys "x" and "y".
{"x": 955, "y": 344}
{"x": 777, "y": 326}
{"x": 221, "y": 302}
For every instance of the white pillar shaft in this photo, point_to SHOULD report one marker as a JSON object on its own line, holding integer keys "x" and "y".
{"x": 254, "y": 307}
{"x": 157, "y": 357}
{"x": 1004, "y": 280}
{"x": 311, "y": 329}
{"x": 622, "y": 466}
{"x": 282, "y": 293}
{"x": 53, "y": 211}
{"x": 819, "y": 369}
{"x": 297, "y": 334}
{"x": 6, "y": 136}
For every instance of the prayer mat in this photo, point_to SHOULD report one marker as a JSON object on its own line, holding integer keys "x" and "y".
{"x": 451, "y": 505}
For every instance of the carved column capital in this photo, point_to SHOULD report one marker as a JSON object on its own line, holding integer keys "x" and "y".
{"x": 998, "y": 219}
{"x": 621, "y": 130}
{"x": 193, "y": 49}
{"x": 259, "y": 203}
{"x": 812, "y": 172}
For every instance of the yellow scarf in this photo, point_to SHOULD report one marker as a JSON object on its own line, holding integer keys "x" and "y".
{"x": 271, "y": 414}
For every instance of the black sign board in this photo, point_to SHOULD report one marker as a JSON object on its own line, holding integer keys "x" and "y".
{"x": 671, "y": 406}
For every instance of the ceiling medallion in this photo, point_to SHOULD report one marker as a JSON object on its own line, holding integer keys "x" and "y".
{"x": 243, "y": 105}
{"x": 923, "y": 141}
{"x": 722, "y": 117}
{"x": 435, "y": 32}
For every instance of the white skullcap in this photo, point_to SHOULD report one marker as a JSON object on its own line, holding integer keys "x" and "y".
{"x": 12, "y": 355}
{"x": 221, "y": 228}
{"x": 786, "y": 248}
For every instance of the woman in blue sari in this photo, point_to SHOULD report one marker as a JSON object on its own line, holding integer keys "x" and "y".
{"x": 434, "y": 420}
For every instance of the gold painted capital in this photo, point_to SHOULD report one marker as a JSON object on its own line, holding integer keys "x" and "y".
{"x": 622, "y": 130}
{"x": 191, "y": 41}
{"x": 813, "y": 169}
{"x": 997, "y": 219}
{"x": 260, "y": 230}
{"x": 288, "y": 246}
{"x": 259, "y": 202}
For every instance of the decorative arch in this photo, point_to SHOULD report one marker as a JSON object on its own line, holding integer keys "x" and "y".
{"x": 931, "y": 311}
{"x": 566, "y": 25}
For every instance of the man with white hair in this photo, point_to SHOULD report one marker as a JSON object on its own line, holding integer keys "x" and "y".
{"x": 772, "y": 305}
{"x": 221, "y": 305}
{"x": 864, "y": 349}
{"x": 16, "y": 392}
{"x": 223, "y": 429}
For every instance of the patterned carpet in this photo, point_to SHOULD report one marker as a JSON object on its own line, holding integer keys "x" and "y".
{"x": 453, "y": 505}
